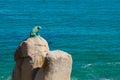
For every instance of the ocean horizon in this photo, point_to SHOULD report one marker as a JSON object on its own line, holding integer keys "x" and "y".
{"x": 89, "y": 30}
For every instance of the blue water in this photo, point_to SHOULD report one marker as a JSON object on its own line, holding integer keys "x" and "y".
{"x": 88, "y": 29}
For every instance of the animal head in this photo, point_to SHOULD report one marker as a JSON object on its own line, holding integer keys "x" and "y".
{"x": 38, "y": 27}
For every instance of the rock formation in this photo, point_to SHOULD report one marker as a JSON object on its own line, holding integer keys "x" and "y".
{"x": 34, "y": 61}
{"x": 57, "y": 66}
{"x": 29, "y": 57}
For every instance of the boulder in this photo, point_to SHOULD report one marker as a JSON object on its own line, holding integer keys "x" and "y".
{"x": 57, "y": 66}
{"x": 34, "y": 61}
{"x": 29, "y": 58}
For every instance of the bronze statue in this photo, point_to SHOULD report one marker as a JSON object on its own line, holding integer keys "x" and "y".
{"x": 34, "y": 31}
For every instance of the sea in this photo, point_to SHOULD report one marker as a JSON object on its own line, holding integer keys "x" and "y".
{"x": 89, "y": 30}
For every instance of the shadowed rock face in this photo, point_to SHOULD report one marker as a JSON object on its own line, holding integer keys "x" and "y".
{"x": 34, "y": 61}
{"x": 29, "y": 57}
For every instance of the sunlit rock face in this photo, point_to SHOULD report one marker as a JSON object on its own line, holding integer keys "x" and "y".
{"x": 34, "y": 61}
{"x": 57, "y": 66}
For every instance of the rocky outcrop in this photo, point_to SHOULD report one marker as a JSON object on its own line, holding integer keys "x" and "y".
{"x": 34, "y": 61}
{"x": 57, "y": 66}
{"x": 29, "y": 57}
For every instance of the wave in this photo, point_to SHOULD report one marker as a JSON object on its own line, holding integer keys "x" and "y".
{"x": 86, "y": 66}
{"x": 114, "y": 63}
{"x": 5, "y": 77}
{"x": 74, "y": 78}
{"x": 108, "y": 63}
{"x": 105, "y": 79}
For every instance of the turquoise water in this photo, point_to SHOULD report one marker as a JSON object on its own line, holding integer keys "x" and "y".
{"x": 88, "y": 29}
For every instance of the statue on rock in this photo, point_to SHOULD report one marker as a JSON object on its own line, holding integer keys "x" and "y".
{"x": 34, "y": 31}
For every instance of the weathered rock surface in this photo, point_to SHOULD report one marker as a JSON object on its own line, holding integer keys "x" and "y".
{"x": 29, "y": 57}
{"x": 57, "y": 66}
{"x": 34, "y": 61}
